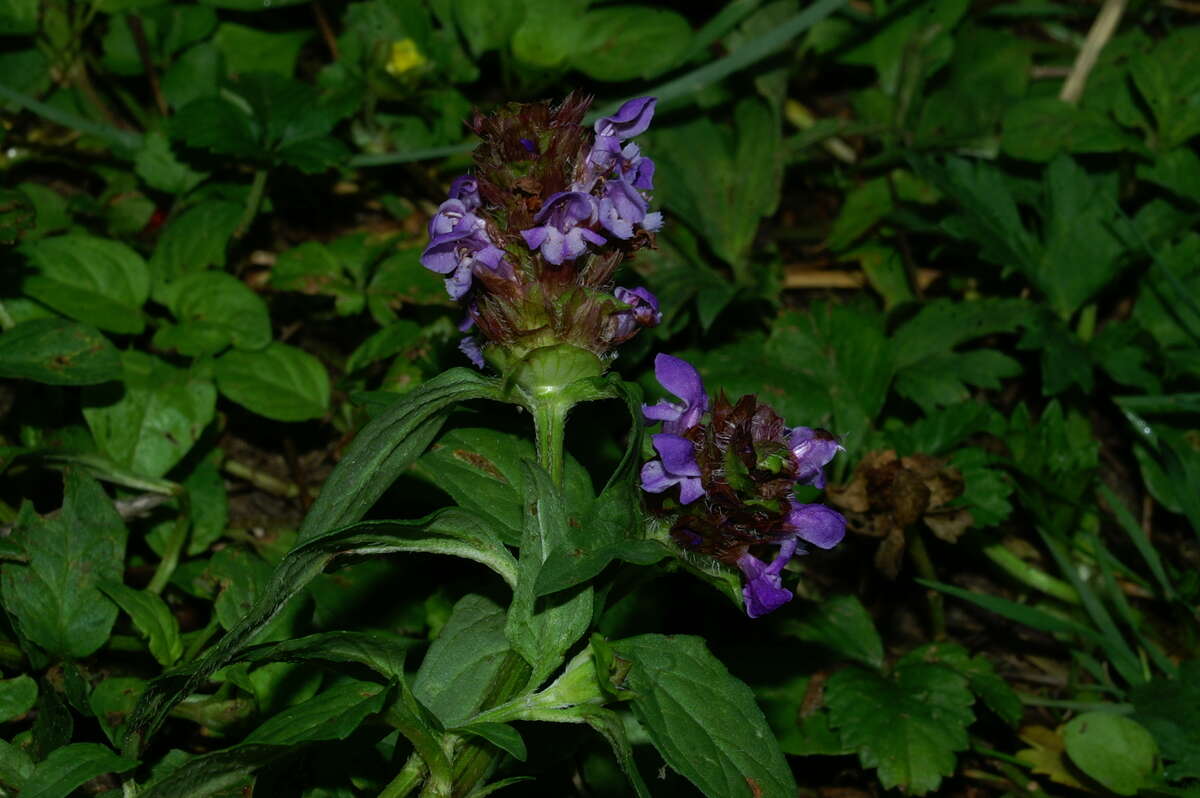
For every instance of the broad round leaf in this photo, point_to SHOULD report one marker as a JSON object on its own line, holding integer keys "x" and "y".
{"x": 101, "y": 282}
{"x": 629, "y": 42}
{"x": 1114, "y": 750}
{"x": 281, "y": 382}
{"x": 215, "y": 310}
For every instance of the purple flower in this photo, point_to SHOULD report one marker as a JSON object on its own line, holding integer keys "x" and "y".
{"x": 563, "y": 234}
{"x": 631, "y": 119}
{"x": 469, "y": 346}
{"x": 643, "y": 305}
{"x": 458, "y": 243}
{"x": 680, "y": 378}
{"x": 813, "y": 449}
{"x": 764, "y": 591}
{"x": 677, "y": 467}
{"x": 466, "y": 189}
{"x": 817, "y": 524}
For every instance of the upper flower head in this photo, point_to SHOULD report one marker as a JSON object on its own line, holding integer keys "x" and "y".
{"x": 531, "y": 239}
{"x": 736, "y": 472}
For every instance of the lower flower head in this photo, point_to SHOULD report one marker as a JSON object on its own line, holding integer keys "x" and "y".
{"x": 736, "y": 468}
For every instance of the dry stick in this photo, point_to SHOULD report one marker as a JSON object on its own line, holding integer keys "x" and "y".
{"x": 326, "y": 30}
{"x": 1101, "y": 31}
{"x": 143, "y": 47}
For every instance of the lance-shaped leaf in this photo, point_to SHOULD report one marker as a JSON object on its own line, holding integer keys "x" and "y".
{"x": 541, "y": 630}
{"x": 386, "y": 446}
{"x": 439, "y": 533}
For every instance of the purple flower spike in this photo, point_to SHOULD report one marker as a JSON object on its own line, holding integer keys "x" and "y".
{"x": 563, "y": 235}
{"x": 680, "y": 378}
{"x": 764, "y": 591}
{"x": 466, "y": 190}
{"x": 677, "y": 467}
{"x": 469, "y": 346}
{"x": 817, "y": 524}
{"x": 813, "y": 449}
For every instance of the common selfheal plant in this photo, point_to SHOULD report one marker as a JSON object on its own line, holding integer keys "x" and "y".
{"x": 736, "y": 476}
{"x": 531, "y": 240}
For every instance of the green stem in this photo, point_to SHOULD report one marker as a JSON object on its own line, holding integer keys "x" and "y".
{"x": 1027, "y": 575}
{"x": 407, "y": 780}
{"x": 919, "y": 555}
{"x": 253, "y": 201}
{"x": 476, "y": 757}
{"x": 550, "y": 426}
{"x": 1078, "y": 706}
{"x": 1085, "y": 328}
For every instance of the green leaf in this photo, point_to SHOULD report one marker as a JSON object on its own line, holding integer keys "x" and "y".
{"x": 391, "y": 340}
{"x": 218, "y": 125}
{"x": 705, "y": 169}
{"x": 248, "y": 49}
{"x": 209, "y": 506}
{"x": 541, "y": 630}
{"x": 486, "y": 25}
{"x": 548, "y": 34}
{"x": 380, "y": 652}
{"x": 501, "y": 735}
{"x": 157, "y": 165}
{"x": 1176, "y": 170}
{"x": 457, "y": 673}
{"x": 908, "y": 726}
{"x": 152, "y": 617}
{"x": 16, "y": 766}
{"x": 193, "y": 241}
{"x": 702, "y": 720}
{"x": 483, "y": 472}
{"x": 19, "y": 17}
{"x": 314, "y": 268}
{"x": 840, "y": 623}
{"x": 1042, "y": 128}
{"x": 280, "y": 382}
{"x": 214, "y": 310}
{"x": 331, "y": 715}
{"x": 58, "y": 352}
{"x": 149, "y": 422}
{"x": 54, "y": 598}
{"x": 981, "y": 675}
{"x": 17, "y": 696}
{"x": 930, "y": 372}
{"x": 1114, "y": 750}
{"x": 386, "y": 446}
{"x": 1162, "y": 308}
{"x": 97, "y": 281}
{"x": 111, "y": 702}
{"x": 902, "y": 36}
{"x": 1168, "y": 709}
{"x": 299, "y": 567}
{"x": 69, "y": 767}
{"x": 619, "y": 43}
{"x": 214, "y": 774}
{"x": 1167, "y": 80}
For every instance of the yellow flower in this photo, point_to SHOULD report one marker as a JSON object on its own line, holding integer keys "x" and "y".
{"x": 405, "y": 58}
